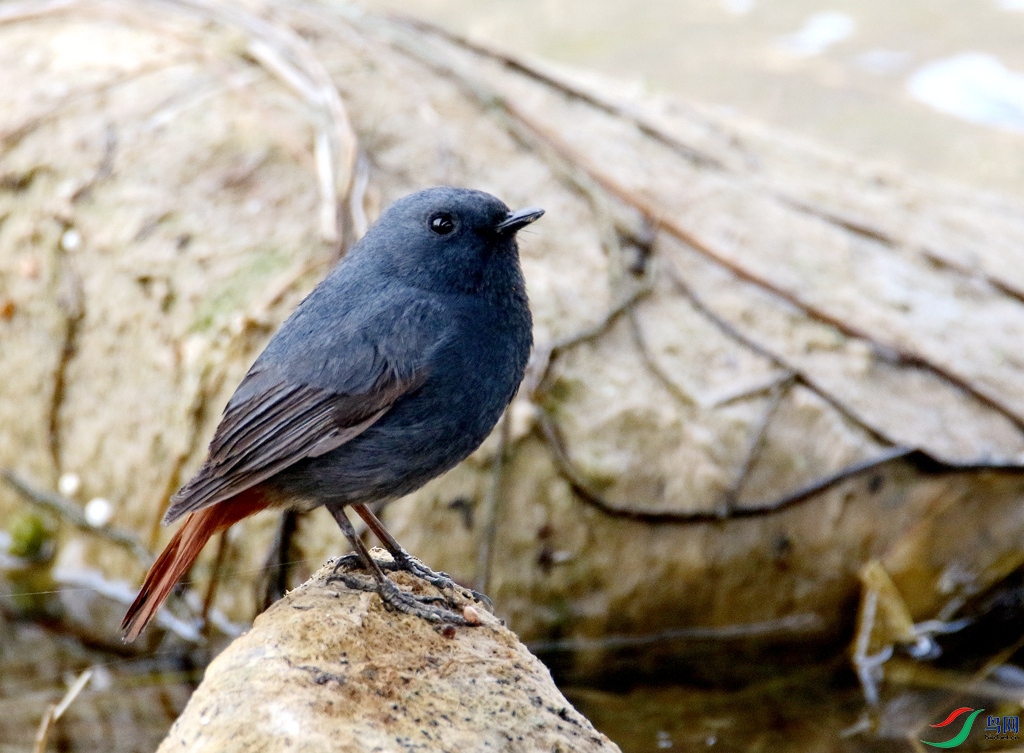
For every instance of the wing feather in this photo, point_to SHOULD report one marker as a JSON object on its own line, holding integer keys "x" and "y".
{"x": 277, "y": 424}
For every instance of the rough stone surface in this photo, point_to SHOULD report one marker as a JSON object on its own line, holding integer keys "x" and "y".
{"x": 329, "y": 669}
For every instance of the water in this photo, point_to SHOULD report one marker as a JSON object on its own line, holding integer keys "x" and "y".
{"x": 132, "y": 701}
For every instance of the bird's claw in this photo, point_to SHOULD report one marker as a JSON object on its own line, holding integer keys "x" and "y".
{"x": 348, "y": 563}
{"x": 405, "y": 562}
{"x": 439, "y": 580}
{"x": 397, "y": 600}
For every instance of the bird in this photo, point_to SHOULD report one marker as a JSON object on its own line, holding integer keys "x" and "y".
{"x": 390, "y": 372}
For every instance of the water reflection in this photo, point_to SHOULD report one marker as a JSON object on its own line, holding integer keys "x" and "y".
{"x": 813, "y": 710}
{"x": 133, "y": 699}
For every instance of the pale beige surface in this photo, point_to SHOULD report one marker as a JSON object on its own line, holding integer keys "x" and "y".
{"x": 329, "y": 669}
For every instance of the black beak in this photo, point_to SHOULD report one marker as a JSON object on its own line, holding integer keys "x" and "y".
{"x": 518, "y": 220}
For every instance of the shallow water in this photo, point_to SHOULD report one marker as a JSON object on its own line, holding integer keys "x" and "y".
{"x": 132, "y": 701}
{"x": 800, "y": 712}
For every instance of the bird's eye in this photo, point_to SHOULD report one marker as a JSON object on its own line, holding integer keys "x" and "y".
{"x": 442, "y": 223}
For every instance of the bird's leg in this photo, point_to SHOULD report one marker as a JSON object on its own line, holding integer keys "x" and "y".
{"x": 390, "y": 594}
{"x": 363, "y": 558}
{"x": 405, "y": 561}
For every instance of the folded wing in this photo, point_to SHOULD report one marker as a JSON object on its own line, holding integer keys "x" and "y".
{"x": 277, "y": 424}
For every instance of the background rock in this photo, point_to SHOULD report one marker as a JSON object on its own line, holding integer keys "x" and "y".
{"x": 759, "y": 365}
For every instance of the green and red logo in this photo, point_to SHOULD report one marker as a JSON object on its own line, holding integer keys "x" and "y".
{"x": 964, "y": 731}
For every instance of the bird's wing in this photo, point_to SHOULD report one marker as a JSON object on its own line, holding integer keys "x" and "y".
{"x": 277, "y": 424}
{"x": 316, "y": 387}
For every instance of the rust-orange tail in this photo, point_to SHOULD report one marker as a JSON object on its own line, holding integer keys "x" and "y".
{"x": 179, "y": 554}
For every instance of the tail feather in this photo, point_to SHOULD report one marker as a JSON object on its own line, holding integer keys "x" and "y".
{"x": 179, "y": 554}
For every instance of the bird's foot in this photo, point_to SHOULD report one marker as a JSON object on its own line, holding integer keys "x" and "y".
{"x": 405, "y": 562}
{"x": 440, "y": 580}
{"x": 397, "y": 600}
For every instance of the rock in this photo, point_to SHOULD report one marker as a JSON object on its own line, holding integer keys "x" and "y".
{"x": 329, "y": 669}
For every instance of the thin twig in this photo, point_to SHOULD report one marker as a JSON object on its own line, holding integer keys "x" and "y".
{"x": 56, "y": 710}
{"x": 652, "y": 365}
{"x": 69, "y": 511}
{"x": 551, "y": 435}
{"x": 211, "y": 586}
{"x": 285, "y": 54}
{"x": 795, "y": 624}
{"x": 359, "y": 223}
{"x": 545, "y": 355}
{"x": 609, "y": 106}
{"x": 857, "y": 227}
{"x": 732, "y": 495}
{"x": 71, "y": 301}
{"x": 76, "y": 687}
{"x": 104, "y": 169}
{"x": 43, "y": 733}
{"x": 868, "y": 667}
{"x": 765, "y": 387}
{"x": 963, "y": 270}
{"x": 274, "y": 575}
{"x": 490, "y": 508}
{"x": 866, "y": 230}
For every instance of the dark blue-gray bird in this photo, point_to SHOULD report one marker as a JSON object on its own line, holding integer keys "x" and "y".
{"x": 392, "y": 371}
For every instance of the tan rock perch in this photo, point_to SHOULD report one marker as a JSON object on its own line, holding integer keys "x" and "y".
{"x": 329, "y": 669}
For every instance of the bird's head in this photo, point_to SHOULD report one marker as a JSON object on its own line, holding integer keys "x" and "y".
{"x": 445, "y": 240}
